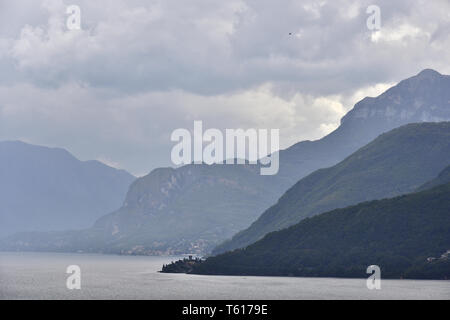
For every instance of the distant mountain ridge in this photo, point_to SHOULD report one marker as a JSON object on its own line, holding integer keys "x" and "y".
{"x": 421, "y": 98}
{"x": 43, "y": 189}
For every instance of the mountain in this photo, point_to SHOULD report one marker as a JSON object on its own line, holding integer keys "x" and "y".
{"x": 395, "y": 163}
{"x": 188, "y": 209}
{"x": 196, "y": 207}
{"x": 49, "y": 189}
{"x": 406, "y": 236}
{"x": 421, "y": 98}
{"x": 168, "y": 211}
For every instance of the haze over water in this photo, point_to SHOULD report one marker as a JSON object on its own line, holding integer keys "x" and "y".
{"x": 42, "y": 276}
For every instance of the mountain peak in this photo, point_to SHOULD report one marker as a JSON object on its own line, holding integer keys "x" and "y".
{"x": 428, "y": 73}
{"x": 424, "y": 97}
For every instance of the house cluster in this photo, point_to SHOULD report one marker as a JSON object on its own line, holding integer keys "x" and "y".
{"x": 444, "y": 256}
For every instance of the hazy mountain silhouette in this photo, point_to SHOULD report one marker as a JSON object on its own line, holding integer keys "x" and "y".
{"x": 49, "y": 189}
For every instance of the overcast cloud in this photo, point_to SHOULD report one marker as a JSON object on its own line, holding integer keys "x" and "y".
{"x": 137, "y": 70}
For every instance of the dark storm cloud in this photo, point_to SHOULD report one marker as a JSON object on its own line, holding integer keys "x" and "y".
{"x": 139, "y": 69}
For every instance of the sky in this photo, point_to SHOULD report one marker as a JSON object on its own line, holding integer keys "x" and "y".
{"x": 117, "y": 88}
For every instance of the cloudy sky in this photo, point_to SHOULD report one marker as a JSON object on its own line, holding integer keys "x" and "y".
{"x": 116, "y": 89}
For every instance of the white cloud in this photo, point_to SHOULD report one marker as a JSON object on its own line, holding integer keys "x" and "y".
{"x": 133, "y": 131}
{"x": 399, "y": 33}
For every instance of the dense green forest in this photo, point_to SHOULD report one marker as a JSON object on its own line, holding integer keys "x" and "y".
{"x": 407, "y": 236}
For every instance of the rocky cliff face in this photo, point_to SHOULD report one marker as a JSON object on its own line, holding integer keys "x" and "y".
{"x": 422, "y": 98}
{"x": 190, "y": 208}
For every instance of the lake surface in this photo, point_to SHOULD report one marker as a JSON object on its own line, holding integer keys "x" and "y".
{"x": 43, "y": 276}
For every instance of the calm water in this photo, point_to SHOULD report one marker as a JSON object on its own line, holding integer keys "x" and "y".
{"x": 42, "y": 276}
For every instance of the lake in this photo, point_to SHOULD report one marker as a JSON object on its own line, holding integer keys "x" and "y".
{"x": 43, "y": 276}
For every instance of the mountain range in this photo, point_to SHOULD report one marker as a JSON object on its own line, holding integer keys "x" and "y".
{"x": 193, "y": 208}
{"x": 395, "y": 163}
{"x": 43, "y": 189}
{"x": 196, "y": 207}
{"x": 407, "y": 237}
